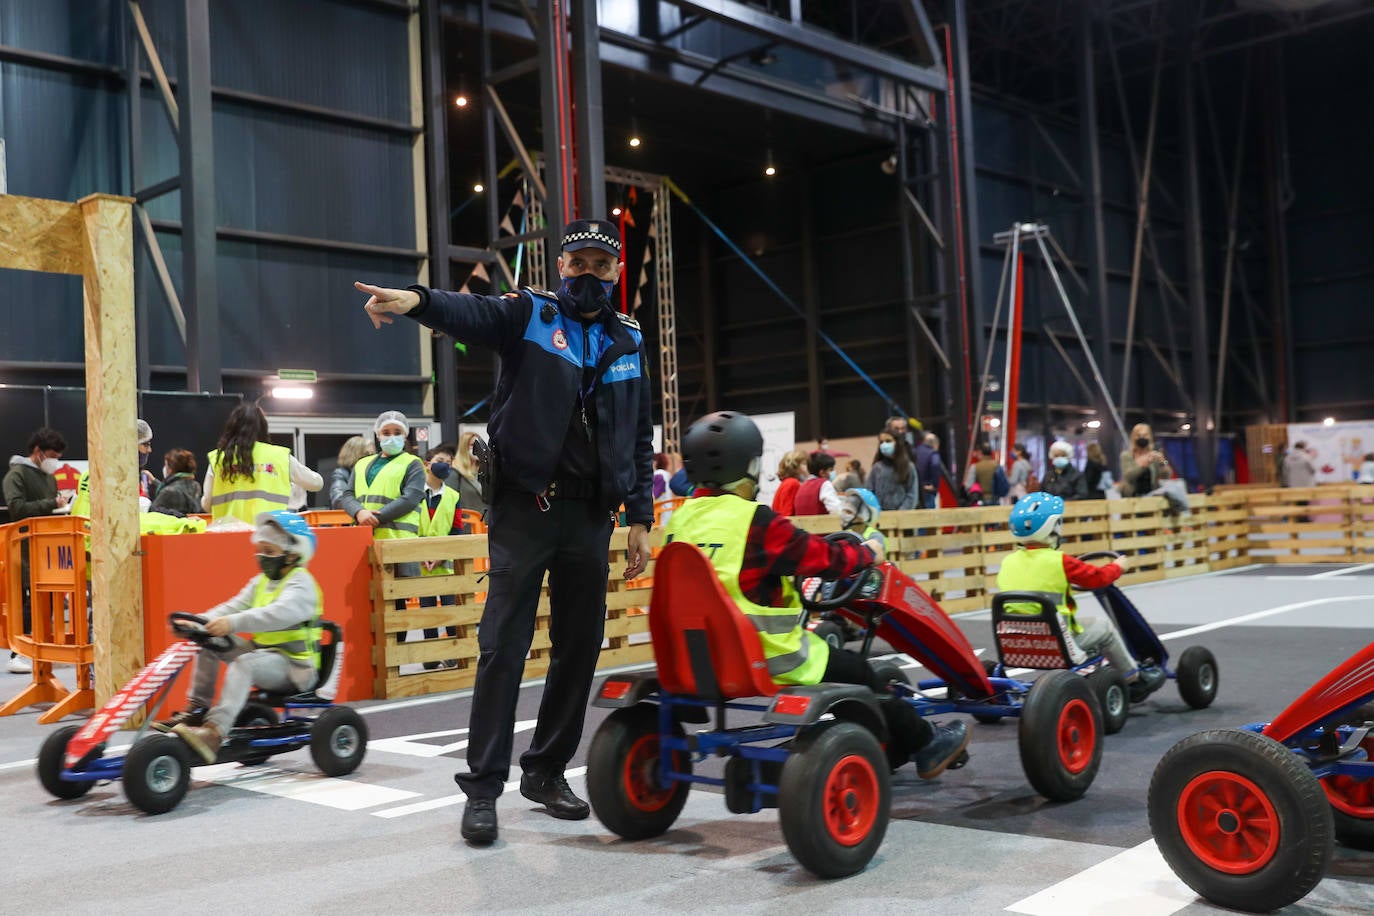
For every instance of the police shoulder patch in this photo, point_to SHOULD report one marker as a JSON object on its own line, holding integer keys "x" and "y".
{"x": 542, "y": 292}
{"x": 627, "y": 320}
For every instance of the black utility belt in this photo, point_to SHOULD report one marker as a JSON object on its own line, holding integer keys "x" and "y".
{"x": 572, "y": 488}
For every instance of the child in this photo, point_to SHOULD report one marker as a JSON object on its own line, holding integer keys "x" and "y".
{"x": 1037, "y": 565}
{"x": 859, "y": 510}
{"x": 756, "y": 553}
{"x": 280, "y": 610}
{"x": 439, "y": 517}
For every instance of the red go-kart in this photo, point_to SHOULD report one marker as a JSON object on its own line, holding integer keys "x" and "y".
{"x": 819, "y": 752}
{"x": 1247, "y": 817}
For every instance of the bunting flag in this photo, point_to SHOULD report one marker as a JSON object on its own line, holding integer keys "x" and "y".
{"x": 479, "y": 271}
{"x": 506, "y": 225}
{"x": 650, "y": 243}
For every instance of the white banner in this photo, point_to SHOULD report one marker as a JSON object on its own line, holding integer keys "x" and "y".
{"x": 779, "y": 437}
{"x": 1340, "y": 448}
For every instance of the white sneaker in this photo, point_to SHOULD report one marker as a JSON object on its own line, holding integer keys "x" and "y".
{"x": 19, "y": 665}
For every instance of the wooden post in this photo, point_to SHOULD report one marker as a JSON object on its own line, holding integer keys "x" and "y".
{"x": 111, "y": 417}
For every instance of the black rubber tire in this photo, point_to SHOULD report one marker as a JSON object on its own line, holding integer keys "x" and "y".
{"x": 157, "y": 773}
{"x": 254, "y": 715}
{"x": 51, "y": 762}
{"x": 835, "y": 798}
{"x": 1060, "y": 736}
{"x": 831, "y": 632}
{"x": 1109, "y": 684}
{"x": 338, "y": 741}
{"x": 1354, "y": 825}
{"x": 1265, "y": 790}
{"x": 890, "y": 672}
{"x": 1197, "y": 677}
{"x": 622, "y": 774}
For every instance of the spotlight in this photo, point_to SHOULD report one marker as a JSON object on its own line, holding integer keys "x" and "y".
{"x": 634, "y": 143}
{"x": 634, "y": 133}
{"x": 615, "y": 211}
{"x": 1329, "y": 421}
{"x": 461, "y": 101}
{"x": 1186, "y": 427}
{"x": 1093, "y": 424}
{"x": 768, "y": 168}
{"x": 995, "y": 422}
{"x": 478, "y": 188}
{"x": 770, "y": 171}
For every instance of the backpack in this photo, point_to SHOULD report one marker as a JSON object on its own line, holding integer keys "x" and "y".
{"x": 1000, "y": 485}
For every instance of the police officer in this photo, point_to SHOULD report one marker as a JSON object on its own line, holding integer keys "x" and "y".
{"x": 573, "y": 439}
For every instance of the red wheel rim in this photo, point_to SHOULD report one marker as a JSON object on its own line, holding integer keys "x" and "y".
{"x": 850, "y": 800}
{"x": 1228, "y": 822}
{"x": 640, "y": 776}
{"x": 1351, "y": 796}
{"x": 1076, "y": 735}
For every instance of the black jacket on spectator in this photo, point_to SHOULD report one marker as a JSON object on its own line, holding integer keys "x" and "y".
{"x": 180, "y": 492}
{"x": 1066, "y": 484}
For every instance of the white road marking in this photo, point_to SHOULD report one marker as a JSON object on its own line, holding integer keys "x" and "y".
{"x": 315, "y": 788}
{"x": 1257, "y": 615}
{"x": 1136, "y": 882}
{"x": 413, "y": 746}
{"x": 1342, "y": 572}
{"x": 16, "y": 764}
{"x": 447, "y": 801}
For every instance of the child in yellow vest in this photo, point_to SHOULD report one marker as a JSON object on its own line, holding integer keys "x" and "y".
{"x": 439, "y": 517}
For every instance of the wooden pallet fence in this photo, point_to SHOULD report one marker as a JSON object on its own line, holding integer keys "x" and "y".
{"x": 1362, "y": 523}
{"x": 1300, "y": 525}
{"x": 627, "y": 604}
{"x": 941, "y": 550}
{"x": 1224, "y": 518}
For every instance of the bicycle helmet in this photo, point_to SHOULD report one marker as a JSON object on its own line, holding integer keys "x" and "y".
{"x": 283, "y": 525}
{"x": 721, "y": 448}
{"x": 1036, "y": 517}
{"x": 859, "y": 506}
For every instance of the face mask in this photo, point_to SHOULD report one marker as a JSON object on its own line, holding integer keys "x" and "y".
{"x": 143, "y": 459}
{"x": 590, "y": 294}
{"x": 1061, "y": 462}
{"x": 1142, "y": 443}
{"x": 392, "y": 445}
{"x": 50, "y": 465}
{"x": 166, "y": 472}
{"x": 440, "y": 469}
{"x": 887, "y": 448}
{"x": 272, "y": 567}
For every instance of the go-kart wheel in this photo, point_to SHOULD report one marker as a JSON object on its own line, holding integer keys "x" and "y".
{"x": 1240, "y": 819}
{"x": 623, "y": 781}
{"x": 157, "y": 773}
{"x": 834, "y": 798}
{"x": 1110, "y": 686}
{"x": 338, "y": 741}
{"x": 889, "y": 672}
{"x": 1197, "y": 677}
{"x": 831, "y": 632}
{"x": 256, "y": 715}
{"x": 1060, "y": 737}
{"x": 51, "y": 762}
{"x": 1352, "y": 803}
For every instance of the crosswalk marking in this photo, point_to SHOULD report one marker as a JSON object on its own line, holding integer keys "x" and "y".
{"x": 457, "y": 798}
{"x": 315, "y": 788}
{"x": 1135, "y": 882}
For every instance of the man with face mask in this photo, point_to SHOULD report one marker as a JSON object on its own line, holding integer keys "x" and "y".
{"x": 147, "y": 483}
{"x": 572, "y": 432}
{"x": 30, "y": 490}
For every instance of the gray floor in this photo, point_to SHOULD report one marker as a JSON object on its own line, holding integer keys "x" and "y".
{"x": 282, "y": 838}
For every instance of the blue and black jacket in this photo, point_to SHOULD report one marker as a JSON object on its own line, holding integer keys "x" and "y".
{"x": 544, "y": 347}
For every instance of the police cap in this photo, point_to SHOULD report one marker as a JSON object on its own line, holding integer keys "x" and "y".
{"x": 592, "y": 233}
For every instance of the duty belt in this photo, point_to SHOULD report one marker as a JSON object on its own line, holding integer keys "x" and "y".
{"x": 569, "y": 488}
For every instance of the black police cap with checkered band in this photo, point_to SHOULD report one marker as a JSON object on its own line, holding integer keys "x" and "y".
{"x": 592, "y": 233}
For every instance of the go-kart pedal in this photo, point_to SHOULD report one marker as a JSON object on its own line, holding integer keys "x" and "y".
{"x": 947, "y": 750}
{"x": 1149, "y": 680}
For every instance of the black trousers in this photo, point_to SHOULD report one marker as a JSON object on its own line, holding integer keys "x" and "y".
{"x": 571, "y": 541}
{"x": 910, "y": 731}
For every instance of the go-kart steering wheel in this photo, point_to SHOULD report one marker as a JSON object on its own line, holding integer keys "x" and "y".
{"x": 840, "y": 599}
{"x": 180, "y": 621}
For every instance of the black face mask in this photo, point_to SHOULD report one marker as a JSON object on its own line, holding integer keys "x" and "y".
{"x": 588, "y": 293}
{"x": 272, "y": 567}
{"x": 1142, "y": 443}
{"x": 143, "y": 459}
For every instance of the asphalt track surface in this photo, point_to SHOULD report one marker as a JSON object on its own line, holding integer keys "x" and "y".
{"x": 283, "y": 838}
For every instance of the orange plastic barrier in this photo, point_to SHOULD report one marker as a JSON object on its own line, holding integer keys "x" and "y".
{"x": 475, "y": 525}
{"x": 194, "y": 572}
{"x": 60, "y": 623}
{"x": 666, "y": 506}
{"x": 327, "y": 518}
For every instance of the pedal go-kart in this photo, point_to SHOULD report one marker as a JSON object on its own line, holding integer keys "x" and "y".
{"x": 1038, "y": 641}
{"x": 1246, "y": 817}
{"x": 156, "y": 771}
{"x": 818, "y": 753}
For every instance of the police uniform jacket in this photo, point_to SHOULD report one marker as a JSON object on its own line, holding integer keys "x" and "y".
{"x": 542, "y": 342}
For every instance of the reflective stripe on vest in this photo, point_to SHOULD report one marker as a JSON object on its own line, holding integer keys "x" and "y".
{"x": 301, "y": 643}
{"x": 719, "y": 525}
{"x": 439, "y": 526}
{"x": 247, "y": 497}
{"x": 1040, "y": 571}
{"x": 385, "y": 487}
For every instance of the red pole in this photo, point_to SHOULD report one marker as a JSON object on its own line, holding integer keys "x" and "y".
{"x": 624, "y": 280}
{"x": 1014, "y": 341}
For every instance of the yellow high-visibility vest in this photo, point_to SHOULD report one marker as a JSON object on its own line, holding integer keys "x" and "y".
{"x": 246, "y": 497}
{"x": 383, "y": 489}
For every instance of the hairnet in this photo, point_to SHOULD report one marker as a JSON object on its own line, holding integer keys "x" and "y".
{"x": 145, "y": 432}
{"x": 391, "y": 416}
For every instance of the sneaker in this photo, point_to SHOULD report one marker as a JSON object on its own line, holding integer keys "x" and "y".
{"x": 944, "y": 749}
{"x": 203, "y": 739}
{"x": 479, "y": 821}
{"x": 19, "y": 665}
{"x": 1147, "y": 681}
{"x": 551, "y": 790}
{"x": 192, "y": 716}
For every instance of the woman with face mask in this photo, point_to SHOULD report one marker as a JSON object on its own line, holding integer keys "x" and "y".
{"x": 247, "y": 475}
{"x": 892, "y": 477}
{"x": 1063, "y": 479}
{"x": 1143, "y": 465}
{"x": 180, "y": 491}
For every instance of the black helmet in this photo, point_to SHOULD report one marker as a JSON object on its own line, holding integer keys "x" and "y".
{"x": 720, "y": 448}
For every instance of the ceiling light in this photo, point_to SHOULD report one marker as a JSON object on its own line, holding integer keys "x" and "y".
{"x": 995, "y": 422}
{"x": 1186, "y": 426}
{"x": 615, "y": 211}
{"x": 634, "y": 143}
{"x": 1329, "y": 421}
{"x": 1093, "y": 424}
{"x": 292, "y": 394}
{"x": 461, "y": 101}
{"x": 477, "y": 188}
{"x": 770, "y": 171}
{"x": 634, "y": 133}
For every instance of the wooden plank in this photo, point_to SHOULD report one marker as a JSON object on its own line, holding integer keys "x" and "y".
{"x": 51, "y": 235}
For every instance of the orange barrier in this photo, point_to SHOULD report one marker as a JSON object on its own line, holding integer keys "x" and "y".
{"x": 60, "y": 629}
{"x": 194, "y": 572}
{"x": 327, "y": 518}
{"x": 4, "y": 587}
{"x": 665, "y": 507}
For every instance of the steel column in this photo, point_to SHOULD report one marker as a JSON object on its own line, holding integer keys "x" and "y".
{"x": 1204, "y": 425}
{"x": 811, "y": 304}
{"x": 1092, "y": 202}
{"x": 134, "y": 91}
{"x": 1276, "y": 201}
{"x": 591, "y": 135}
{"x": 436, "y": 168}
{"x": 904, "y": 238}
{"x": 557, "y": 123}
{"x": 709, "y": 319}
{"x": 197, "y": 148}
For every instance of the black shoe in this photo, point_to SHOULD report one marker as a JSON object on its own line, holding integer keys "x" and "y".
{"x": 479, "y": 821}
{"x": 944, "y": 750}
{"x": 1147, "y": 682}
{"x": 551, "y": 790}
